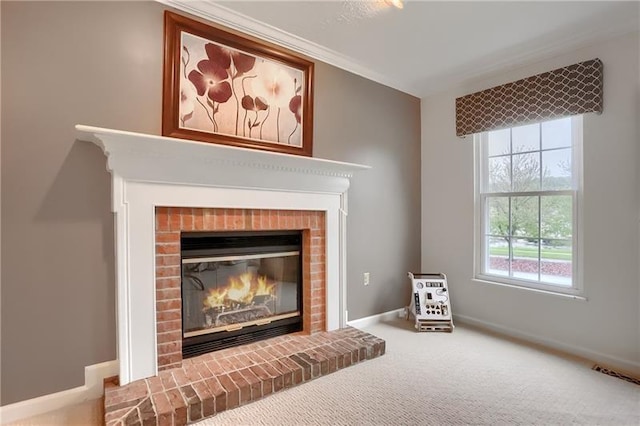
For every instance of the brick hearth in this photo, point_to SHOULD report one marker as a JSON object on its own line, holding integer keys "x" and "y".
{"x": 209, "y": 384}
{"x": 171, "y": 221}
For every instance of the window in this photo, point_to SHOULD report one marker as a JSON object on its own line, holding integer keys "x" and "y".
{"x": 527, "y": 188}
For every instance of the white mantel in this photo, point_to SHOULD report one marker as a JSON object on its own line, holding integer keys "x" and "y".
{"x": 149, "y": 171}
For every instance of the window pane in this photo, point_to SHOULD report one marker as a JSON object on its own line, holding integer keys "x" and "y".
{"x": 556, "y": 166}
{"x": 498, "y": 256}
{"x": 556, "y": 262}
{"x": 525, "y": 259}
{"x": 524, "y": 217}
{"x": 499, "y": 174}
{"x": 556, "y": 213}
{"x": 499, "y": 142}
{"x": 526, "y": 172}
{"x": 498, "y": 212}
{"x": 526, "y": 138}
{"x": 556, "y": 133}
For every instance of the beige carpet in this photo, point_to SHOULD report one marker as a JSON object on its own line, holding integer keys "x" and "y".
{"x": 466, "y": 377}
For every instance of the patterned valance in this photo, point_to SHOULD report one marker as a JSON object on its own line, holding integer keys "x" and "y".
{"x": 576, "y": 89}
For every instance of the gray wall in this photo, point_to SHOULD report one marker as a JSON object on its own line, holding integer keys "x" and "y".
{"x": 605, "y": 327}
{"x": 359, "y": 121}
{"x": 101, "y": 64}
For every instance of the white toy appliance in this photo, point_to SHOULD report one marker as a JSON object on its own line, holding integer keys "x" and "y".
{"x": 430, "y": 303}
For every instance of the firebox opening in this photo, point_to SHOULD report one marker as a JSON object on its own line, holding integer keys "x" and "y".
{"x": 239, "y": 287}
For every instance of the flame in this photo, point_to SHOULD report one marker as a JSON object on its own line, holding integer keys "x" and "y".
{"x": 264, "y": 288}
{"x": 240, "y": 289}
{"x": 215, "y": 298}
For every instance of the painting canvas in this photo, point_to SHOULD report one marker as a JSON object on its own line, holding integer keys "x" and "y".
{"x": 226, "y": 89}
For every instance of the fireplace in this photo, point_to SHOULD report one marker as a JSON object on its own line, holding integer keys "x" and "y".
{"x": 239, "y": 287}
{"x": 211, "y": 187}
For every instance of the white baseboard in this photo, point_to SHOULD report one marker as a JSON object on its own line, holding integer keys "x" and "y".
{"x": 622, "y": 365}
{"x": 93, "y": 388}
{"x": 373, "y": 319}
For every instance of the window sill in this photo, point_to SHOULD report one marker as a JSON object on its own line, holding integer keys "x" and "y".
{"x": 488, "y": 280}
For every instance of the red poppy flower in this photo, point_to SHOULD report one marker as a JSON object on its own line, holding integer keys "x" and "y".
{"x": 222, "y": 56}
{"x": 251, "y": 104}
{"x": 295, "y": 106}
{"x": 212, "y": 80}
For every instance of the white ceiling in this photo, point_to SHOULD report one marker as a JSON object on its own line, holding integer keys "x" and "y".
{"x": 428, "y": 45}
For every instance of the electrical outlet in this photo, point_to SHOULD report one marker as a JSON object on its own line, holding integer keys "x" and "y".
{"x": 366, "y": 278}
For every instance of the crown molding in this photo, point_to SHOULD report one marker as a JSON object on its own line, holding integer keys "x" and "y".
{"x": 216, "y": 13}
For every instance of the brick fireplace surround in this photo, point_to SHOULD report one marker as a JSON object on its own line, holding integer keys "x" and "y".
{"x": 190, "y": 390}
{"x": 171, "y": 221}
{"x": 162, "y": 186}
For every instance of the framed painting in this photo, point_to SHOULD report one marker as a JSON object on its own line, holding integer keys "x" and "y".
{"x": 221, "y": 87}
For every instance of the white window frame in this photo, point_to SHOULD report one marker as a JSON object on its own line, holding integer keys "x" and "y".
{"x": 480, "y": 221}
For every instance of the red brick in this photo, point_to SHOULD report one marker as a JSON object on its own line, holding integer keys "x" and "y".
{"x": 174, "y": 219}
{"x": 209, "y": 219}
{"x": 295, "y": 369}
{"x": 168, "y": 271}
{"x": 255, "y": 219}
{"x": 179, "y": 406}
{"x": 244, "y": 360}
{"x": 218, "y": 392}
{"x": 168, "y": 382}
{"x": 167, "y": 260}
{"x": 263, "y": 219}
{"x": 194, "y": 404}
{"x": 162, "y": 219}
{"x": 306, "y": 367}
{"x": 169, "y": 326}
{"x": 273, "y": 219}
{"x": 207, "y": 398}
{"x": 233, "y": 393}
{"x": 154, "y": 384}
{"x": 169, "y": 315}
{"x": 168, "y": 294}
{"x": 215, "y": 386}
{"x": 254, "y": 382}
{"x": 265, "y": 379}
{"x": 192, "y": 373}
{"x": 168, "y": 305}
{"x": 220, "y": 219}
{"x": 162, "y": 283}
{"x": 186, "y": 219}
{"x": 237, "y": 219}
{"x": 171, "y": 336}
{"x": 228, "y": 364}
{"x": 204, "y": 371}
{"x": 198, "y": 220}
{"x": 215, "y": 367}
{"x": 167, "y": 248}
{"x": 163, "y": 408}
{"x": 243, "y": 385}
{"x": 168, "y": 237}
{"x": 169, "y": 348}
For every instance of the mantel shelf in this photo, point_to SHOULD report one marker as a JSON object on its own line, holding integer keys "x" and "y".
{"x": 139, "y": 145}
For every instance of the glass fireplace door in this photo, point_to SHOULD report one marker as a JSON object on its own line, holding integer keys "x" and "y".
{"x": 239, "y": 287}
{"x": 231, "y": 292}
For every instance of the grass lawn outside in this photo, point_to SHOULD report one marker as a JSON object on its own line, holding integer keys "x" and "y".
{"x": 532, "y": 252}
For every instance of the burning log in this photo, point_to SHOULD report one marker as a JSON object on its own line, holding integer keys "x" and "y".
{"x": 217, "y": 318}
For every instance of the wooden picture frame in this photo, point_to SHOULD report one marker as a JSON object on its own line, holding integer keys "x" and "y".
{"x": 221, "y": 87}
